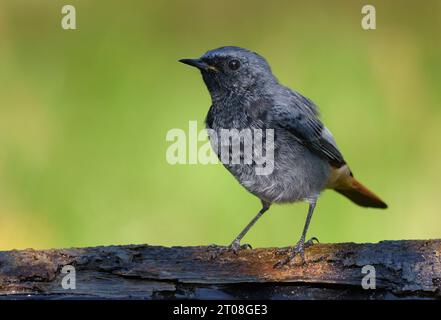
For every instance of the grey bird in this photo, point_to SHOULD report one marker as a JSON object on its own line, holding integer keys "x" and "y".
{"x": 246, "y": 94}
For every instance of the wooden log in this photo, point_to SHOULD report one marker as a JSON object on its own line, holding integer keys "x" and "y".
{"x": 403, "y": 269}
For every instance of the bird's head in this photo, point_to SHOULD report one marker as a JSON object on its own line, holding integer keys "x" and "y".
{"x": 232, "y": 69}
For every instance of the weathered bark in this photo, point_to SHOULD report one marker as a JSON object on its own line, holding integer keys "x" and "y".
{"x": 332, "y": 271}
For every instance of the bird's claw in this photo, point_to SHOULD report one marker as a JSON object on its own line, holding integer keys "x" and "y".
{"x": 234, "y": 247}
{"x": 310, "y": 242}
{"x": 299, "y": 249}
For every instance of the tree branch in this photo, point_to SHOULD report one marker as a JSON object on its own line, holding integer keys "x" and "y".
{"x": 332, "y": 271}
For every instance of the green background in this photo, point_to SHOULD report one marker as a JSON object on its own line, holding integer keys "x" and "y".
{"x": 84, "y": 114}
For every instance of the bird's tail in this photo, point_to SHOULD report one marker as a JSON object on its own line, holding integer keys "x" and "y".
{"x": 359, "y": 194}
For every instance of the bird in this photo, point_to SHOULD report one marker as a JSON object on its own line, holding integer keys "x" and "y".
{"x": 245, "y": 94}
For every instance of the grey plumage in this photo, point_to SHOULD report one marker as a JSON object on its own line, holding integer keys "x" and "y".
{"x": 255, "y": 99}
{"x": 245, "y": 94}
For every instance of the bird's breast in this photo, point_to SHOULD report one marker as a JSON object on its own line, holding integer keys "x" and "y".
{"x": 295, "y": 174}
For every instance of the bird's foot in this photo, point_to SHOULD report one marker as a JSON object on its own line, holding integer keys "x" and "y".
{"x": 298, "y": 249}
{"x": 234, "y": 247}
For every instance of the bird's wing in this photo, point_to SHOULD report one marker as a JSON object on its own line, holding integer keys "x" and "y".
{"x": 299, "y": 116}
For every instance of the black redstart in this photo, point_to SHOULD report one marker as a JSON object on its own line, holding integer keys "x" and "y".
{"x": 245, "y": 94}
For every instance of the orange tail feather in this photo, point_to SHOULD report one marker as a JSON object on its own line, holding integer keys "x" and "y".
{"x": 360, "y": 195}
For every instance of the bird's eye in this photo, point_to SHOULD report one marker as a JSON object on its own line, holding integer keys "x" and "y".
{"x": 234, "y": 64}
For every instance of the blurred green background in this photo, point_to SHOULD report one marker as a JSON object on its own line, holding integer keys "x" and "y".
{"x": 84, "y": 114}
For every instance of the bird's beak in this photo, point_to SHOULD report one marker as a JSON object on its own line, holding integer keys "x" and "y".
{"x": 198, "y": 63}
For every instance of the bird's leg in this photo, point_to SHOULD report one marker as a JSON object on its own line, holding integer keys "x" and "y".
{"x": 300, "y": 247}
{"x": 235, "y": 245}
